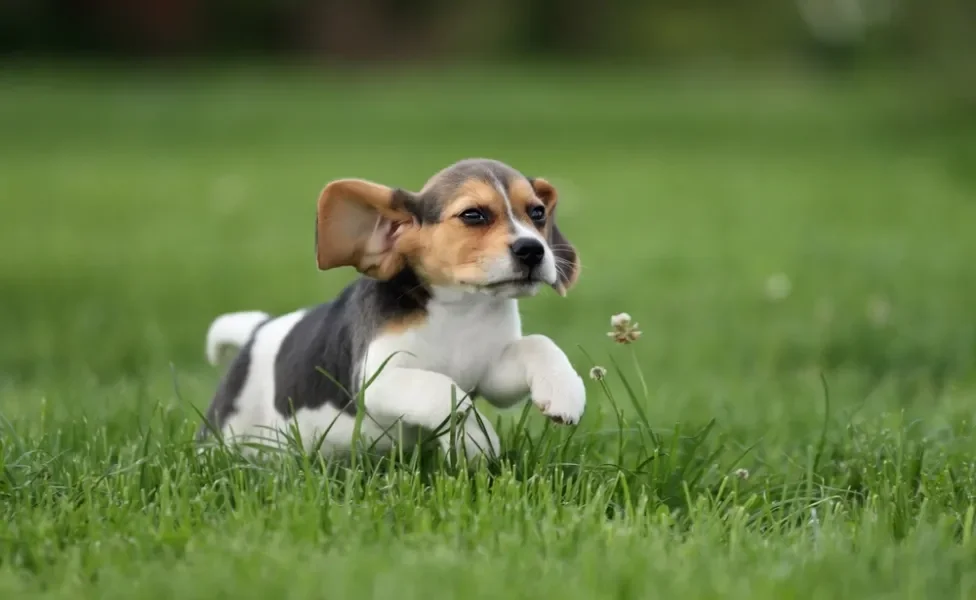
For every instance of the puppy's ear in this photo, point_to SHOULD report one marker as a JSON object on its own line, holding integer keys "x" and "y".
{"x": 357, "y": 225}
{"x": 567, "y": 259}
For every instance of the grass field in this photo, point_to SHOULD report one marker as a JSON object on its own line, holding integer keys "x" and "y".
{"x": 799, "y": 253}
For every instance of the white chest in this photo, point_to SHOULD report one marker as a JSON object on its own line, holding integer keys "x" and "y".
{"x": 458, "y": 339}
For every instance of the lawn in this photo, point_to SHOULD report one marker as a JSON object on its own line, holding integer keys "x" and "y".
{"x": 796, "y": 421}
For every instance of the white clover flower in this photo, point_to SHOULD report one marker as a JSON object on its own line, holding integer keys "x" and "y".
{"x": 598, "y": 373}
{"x": 624, "y": 329}
{"x": 620, "y": 320}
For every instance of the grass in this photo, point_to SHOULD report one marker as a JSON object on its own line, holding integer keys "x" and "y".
{"x": 139, "y": 205}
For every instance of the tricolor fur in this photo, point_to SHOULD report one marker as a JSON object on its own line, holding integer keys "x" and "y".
{"x": 443, "y": 269}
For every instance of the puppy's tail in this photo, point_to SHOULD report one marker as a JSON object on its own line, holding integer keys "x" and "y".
{"x": 232, "y": 330}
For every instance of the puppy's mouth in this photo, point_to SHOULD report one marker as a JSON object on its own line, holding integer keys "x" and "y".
{"x": 512, "y": 282}
{"x": 516, "y": 287}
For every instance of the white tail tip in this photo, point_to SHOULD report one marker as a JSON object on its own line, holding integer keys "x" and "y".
{"x": 232, "y": 330}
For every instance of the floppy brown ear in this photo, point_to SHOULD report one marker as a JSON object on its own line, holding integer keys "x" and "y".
{"x": 357, "y": 224}
{"x": 567, "y": 259}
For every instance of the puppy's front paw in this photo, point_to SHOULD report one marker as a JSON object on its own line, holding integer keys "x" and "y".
{"x": 561, "y": 396}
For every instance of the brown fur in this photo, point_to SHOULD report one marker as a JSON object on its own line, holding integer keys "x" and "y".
{"x": 454, "y": 251}
{"x": 346, "y": 232}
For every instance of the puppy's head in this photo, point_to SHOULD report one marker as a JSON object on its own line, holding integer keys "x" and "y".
{"x": 478, "y": 225}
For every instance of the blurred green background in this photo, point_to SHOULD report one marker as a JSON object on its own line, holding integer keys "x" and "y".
{"x": 772, "y": 189}
{"x": 769, "y": 188}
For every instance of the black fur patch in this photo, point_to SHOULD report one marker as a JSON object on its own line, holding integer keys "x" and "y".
{"x": 224, "y": 403}
{"x": 333, "y": 337}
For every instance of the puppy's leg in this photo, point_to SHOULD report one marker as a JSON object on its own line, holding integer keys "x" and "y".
{"x": 424, "y": 399}
{"x": 535, "y": 365}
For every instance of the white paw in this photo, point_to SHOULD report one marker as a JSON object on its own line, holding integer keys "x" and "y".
{"x": 561, "y": 396}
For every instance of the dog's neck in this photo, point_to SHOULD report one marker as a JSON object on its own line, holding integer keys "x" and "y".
{"x": 406, "y": 289}
{"x": 455, "y": 298}
{"x": 408, "y": 285}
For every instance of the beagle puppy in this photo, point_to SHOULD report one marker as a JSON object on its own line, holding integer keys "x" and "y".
{"x": 432, "y": 321}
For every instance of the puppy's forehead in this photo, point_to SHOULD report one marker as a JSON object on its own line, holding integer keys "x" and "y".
{"x": 448, "y": 180}
{"x": 445, "y": 185}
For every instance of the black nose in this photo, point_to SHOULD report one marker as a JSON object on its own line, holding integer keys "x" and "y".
{"x": 528, "y": 251}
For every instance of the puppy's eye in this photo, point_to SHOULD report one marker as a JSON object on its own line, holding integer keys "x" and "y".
{"x": 474, "y": 216}
{"x": 537, "y": 214}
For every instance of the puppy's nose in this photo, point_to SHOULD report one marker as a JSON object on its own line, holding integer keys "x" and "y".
{"x": 528, "y": 251}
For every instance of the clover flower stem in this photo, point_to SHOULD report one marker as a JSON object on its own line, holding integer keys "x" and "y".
{"x": 619, "y": 416}
{"x": 640, "y": 372}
